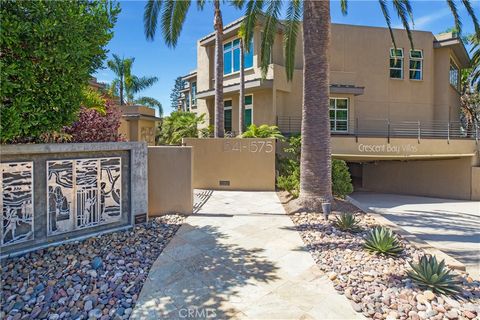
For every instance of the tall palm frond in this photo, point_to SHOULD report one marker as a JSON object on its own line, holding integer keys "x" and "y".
{"x": 471, "y": 13}
{"x": 150, "y": 18}
{"x": 475, "y": 63}
{"x": 272, "y": 15}
{"x": 293, "y": 19}
{"x": 151, "y": 103}
{"x": 173, "y": 17}
{"x": 453, "y": 8}
{"x": 253, "y": 11}
{"x": 404, "y": 12}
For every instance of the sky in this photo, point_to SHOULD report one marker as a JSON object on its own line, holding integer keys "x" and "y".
{"x": 154, "y": 58}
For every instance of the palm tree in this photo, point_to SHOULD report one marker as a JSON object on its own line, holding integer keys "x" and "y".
{"x": 241, "y": 101}
{"x": 315, "y": 165}
{"x": 173, "y": 14}
{"x": 121, "y": 67}
{"x": 127, "y": 85}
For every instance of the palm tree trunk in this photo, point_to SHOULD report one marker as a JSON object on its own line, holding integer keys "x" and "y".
{"x": 315, "y": 162}
{"x": 218, "y": 26}
{"x": 241, "y": 102}
{"x": 121, "y": 89}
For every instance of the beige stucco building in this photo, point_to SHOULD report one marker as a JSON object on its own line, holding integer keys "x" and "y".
{"x": 394, "y": 113}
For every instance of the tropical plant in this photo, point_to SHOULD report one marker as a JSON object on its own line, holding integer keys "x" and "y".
{"x": 341, "y": 179}
{"x": 430, "y": 275}
{"x": 49, "y": 49}
{"x": 173, "y": 14}
{"x": 180, "y": 125}
{"x": 262, "y": 131}
{"x": 92, "y": 99}
{"x": 290, "y": 182}
{"x": 382, "y": 240}
{"x": 347, "y": 222}
{"x": 315, "y": 178}
{"x": 126, "y": 85}
{"x": 176, "y": 93}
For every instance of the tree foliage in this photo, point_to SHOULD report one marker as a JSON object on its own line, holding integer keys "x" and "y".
{"x": 180, "y": 125}
{"x": 93, "y": 126}
{"x": 49, "y": 51}
{"x": 176, "y": 93}
{"x": 262, "y": 131}
{"x": 126, "y": 85}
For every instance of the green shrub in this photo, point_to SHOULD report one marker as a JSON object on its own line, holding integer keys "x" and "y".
{"x": 341, "y": 180}
{"x": 263, "y": 131}
{"x": 49, "y": 50}
{"x": 180, "y": 125}
{"x": 290, "y": 183}
{"x": 347, "y": 222}
{"x": 290, "y": 164}
{"x": 383, "y": 240}
{"x": 434, "y": 276}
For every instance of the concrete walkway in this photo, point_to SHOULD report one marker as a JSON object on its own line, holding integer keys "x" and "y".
{"x": 238, "y": 258}
{"x": 452, "y": 226}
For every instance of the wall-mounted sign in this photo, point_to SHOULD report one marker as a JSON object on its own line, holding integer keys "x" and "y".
{"x": 248, "y": 145}
{"x": 387, "y": 148}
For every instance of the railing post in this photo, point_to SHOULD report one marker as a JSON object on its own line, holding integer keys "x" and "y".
{"x": 476, "y": 132}
{"x": 419, "y": 132}
{"x": 356, "y": 129}
{"x": 448, "y": 132}
{"x": 388, "y": 129}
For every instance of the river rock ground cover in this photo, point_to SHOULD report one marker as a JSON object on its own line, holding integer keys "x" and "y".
{"x": 97, "y": 278}
{"x": 377, "y": 286}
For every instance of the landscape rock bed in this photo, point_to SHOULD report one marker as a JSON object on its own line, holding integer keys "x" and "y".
{"x": 97, "y": 278}
{"x": 378, "y": 286}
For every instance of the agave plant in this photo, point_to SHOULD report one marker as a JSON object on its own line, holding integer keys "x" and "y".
{"x": 347, "y": 222}
{"x": 434, "y": 276}
{"x": 383, "y": 240}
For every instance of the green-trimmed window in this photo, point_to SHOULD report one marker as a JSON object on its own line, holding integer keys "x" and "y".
{"x": 227, "y": 115}
{"x": 416, "y": 65}
{"x": 338, "y": 114}
{"x": 396, "y": 63}
{"x": 248, "y": 118}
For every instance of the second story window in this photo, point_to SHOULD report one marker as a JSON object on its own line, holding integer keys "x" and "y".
{"x": 454, "y": 75}
{"x": 396, "y": 63}
{"x": 416, "y": 64}
{"x": 194, "y": 93}
{"x": 231, "y": 57}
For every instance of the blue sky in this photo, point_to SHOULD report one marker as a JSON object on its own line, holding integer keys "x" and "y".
{"x": 156, "y": 59}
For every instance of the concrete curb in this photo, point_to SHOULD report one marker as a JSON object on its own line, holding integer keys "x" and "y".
{"x": 416, "y": 241}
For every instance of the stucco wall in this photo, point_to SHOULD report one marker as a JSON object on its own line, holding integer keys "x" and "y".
{"x": 170, "y": 180}
{"x": 243, "y": 164}
{"x": 436, "y": 178}
{"x": 128, "y": 177}
{"x": 476, "y": 183}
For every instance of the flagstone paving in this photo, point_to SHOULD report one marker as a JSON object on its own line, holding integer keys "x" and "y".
{"x": 239, "y": 257}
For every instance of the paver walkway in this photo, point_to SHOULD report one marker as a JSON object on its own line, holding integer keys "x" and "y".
{"x": 238, "y": 257}
{"x": 452, "y": 226}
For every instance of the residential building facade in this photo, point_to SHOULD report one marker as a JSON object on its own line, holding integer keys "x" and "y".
{"x": 387, "y": 104}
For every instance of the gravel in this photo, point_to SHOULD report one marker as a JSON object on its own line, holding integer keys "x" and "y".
{"x": 97, "y": 278}
{"x": 378, "y": 286}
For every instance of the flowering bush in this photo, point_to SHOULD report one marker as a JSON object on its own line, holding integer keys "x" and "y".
{"x": 92, "y": 126}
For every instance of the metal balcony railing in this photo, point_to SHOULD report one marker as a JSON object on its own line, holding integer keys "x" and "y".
{"x": 392, "y": 128}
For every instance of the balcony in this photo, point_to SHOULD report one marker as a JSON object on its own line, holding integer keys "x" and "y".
{"x": 386, "y": 128}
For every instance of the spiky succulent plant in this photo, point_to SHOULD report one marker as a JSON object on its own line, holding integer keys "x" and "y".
{"x": 347, "y": 222}
{"x": 434, "y": 276}
{"x": 383, "y": 240}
